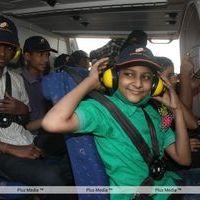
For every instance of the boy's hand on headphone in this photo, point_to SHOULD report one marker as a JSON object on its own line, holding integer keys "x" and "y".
{"x": 96, "y": 70}
{"x": 169, "y": 98}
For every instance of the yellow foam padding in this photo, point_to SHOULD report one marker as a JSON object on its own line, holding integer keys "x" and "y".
{"x": 159, "y": 88}
{"x": 107, "y": 78}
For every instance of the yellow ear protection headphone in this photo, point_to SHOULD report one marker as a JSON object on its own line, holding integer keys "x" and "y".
{"x": 109, "y": 79}
{"x": 158, "y": 87}
{"x": 16, "y": 56}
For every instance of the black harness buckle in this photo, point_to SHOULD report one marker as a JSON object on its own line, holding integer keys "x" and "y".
{"x": 157, "y": 169}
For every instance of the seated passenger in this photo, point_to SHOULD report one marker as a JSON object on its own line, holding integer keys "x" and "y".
{"x": 124, "y": 164}
{"x": 20, "y": 159}
{"x": 56, "y": 85}
{"x": 60, "y": 62}
{"x": 168, "y": 72}
{"x": 14, "y": 99}
{"x": 190, "y": 175}
{"x": 190, "y": 86}
{"x": 79, "y": 58}
{"x": 36, "y": 55}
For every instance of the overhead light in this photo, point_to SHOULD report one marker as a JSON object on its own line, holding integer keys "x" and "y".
{"x": 160, "y": 41}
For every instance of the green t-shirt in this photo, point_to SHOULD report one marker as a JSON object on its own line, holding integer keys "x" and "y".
{"x": 124, "y": 164}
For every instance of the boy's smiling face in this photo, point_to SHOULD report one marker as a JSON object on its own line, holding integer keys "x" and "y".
{"x": 135, "y": 82}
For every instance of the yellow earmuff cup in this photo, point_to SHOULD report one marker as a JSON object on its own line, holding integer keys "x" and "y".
{"x": 16, "y": 56}
{"x": 159, "y": 88}
{"x": 107, "y": 78}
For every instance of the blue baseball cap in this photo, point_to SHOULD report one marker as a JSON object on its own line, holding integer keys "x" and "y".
{"x": 37, "y": 44}
{"x": 8, "y": 32}
{"x": 133, "y": 56}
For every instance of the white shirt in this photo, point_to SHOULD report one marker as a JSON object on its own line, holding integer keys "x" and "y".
{"x": 15, "y": 134}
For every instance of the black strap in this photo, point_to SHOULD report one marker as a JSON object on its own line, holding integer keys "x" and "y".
{"x": 154, "y": 139}
{"x": 147, "y": 182}
{"x": 135, "y": 137}
{"x": 19, "y": 119}
{"x": 8, "y": 84}
{"x": 126, "y": 125}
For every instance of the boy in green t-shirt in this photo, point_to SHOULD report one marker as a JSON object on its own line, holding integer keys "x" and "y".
{"x": 123, "y": 162}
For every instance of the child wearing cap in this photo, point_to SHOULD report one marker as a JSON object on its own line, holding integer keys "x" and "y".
{"x": 36, "y": 52}
{"x": 123, "y": 162}
{"x": 36, "y": 55}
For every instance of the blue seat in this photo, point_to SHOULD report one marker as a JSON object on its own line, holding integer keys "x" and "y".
{"x": 87, "y": 166}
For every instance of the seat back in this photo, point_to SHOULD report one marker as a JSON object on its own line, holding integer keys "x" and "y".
{"x": 87, "y": 166}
